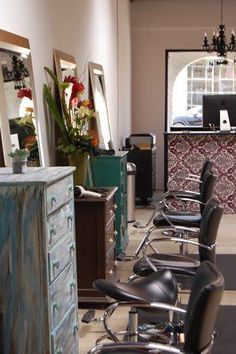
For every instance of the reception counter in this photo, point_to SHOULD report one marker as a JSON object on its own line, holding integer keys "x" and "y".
{"x": 186, "y": 151}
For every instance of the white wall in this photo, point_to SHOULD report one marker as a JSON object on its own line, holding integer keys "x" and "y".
{"x": 86, "y": 29}
{"x": 155, "y": 27}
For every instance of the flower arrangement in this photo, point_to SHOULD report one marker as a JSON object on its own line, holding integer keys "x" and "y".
{"x": 73, "y": 117}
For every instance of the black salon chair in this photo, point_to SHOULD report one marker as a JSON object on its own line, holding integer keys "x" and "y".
{"x": 179, "y": 194}
{"x": 199, "y": 318}
{"x": 179, "y": 223}
{"x": 185, "y": 267}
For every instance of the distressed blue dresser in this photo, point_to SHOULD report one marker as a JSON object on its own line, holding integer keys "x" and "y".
{"x": 38, "y": 282}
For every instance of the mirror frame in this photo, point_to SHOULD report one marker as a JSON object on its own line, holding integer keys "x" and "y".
{"x": 15, "y": 43}
{"x": 68, "y": 58}
{"x": 97, "y": 69}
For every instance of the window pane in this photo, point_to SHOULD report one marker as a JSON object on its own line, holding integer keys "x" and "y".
{"x": 226, "y": 86}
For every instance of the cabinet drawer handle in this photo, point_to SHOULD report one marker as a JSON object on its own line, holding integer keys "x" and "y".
{"x": 56, "y": 264}
{"x": 59, "y": 351}
{"x": 110, "y": 272}
{"x": 70, "y": 190}
{"x": 115, "y": 233}
{"x": 53, "y": 230}
{"x": 111, "y": 240}
{"x": 72, "y": 247}
{"x": 72, "y": 285}
{"x": 69, "y": 221}
{"x": 115, "y": 263}
{"x": 53, "y": 200}
{"x": 55, "y": 306}
{"x": 115, "y": 206}
{"x": 75, "y": 329}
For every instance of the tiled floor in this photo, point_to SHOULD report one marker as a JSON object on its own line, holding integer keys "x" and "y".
{"x": 226, "y": 244}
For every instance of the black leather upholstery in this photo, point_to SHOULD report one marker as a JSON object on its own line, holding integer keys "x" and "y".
{"x": 177, "y": 218}
{"x": 189, "y": 219}
{"x": 205, "y": 297}
{"x": 182, "y": 264}
{"x": 160, "y": 286}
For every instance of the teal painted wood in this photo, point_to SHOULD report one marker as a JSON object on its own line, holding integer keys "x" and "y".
{"x": 111, "y": 171}
{"x": 26, "y": 325}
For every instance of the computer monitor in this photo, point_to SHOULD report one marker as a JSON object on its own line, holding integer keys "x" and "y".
{"x": 213, "y": 104}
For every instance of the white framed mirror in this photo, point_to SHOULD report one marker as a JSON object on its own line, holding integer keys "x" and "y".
{"x": 18, "y": 111}
{"x": 97, "y": 82}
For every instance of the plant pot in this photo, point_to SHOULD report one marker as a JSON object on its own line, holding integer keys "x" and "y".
{"x": 19, "y": 166}
{"x": 80, "y": 162}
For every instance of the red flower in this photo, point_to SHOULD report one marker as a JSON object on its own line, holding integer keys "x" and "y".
{"x": 25, "y": 93}
{"x": 78, "y": 87}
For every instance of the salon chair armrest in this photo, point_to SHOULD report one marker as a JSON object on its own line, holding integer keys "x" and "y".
{"x": 146, "y": 347}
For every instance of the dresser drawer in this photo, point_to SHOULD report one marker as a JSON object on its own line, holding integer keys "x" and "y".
{"x": 65, "y": 335}
{"x": 60, "y": 255}
{"x": 110, "y": 237}
{"x": 62, "y": 294}
{"x": 60, "y": 223}
{"x": 111, "y": 207}
{"x": 59, "y": 193}
{"x": 111, "y": 265}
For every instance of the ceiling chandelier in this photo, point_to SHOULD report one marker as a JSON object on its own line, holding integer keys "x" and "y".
{"x": 219, "y": 43}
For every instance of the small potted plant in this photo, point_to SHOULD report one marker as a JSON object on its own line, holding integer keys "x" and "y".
{"x": 19, "y": 160}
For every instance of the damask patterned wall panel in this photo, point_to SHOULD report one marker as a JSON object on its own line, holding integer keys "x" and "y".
{"x": 187, "y": 152}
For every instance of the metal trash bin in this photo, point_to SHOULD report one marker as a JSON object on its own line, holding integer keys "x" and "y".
{"x": 131, "y": 172}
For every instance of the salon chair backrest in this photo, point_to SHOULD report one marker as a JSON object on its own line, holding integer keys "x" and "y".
{"x": 210, "y": 222}
{"x": 207, "y": 167}
{"x": 202, "y": 308}
{"x": 207, "y": 188}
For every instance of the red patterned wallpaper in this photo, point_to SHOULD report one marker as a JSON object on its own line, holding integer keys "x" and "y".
{"x": 186, "y": 153}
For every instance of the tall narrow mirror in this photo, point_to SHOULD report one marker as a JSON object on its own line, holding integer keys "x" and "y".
{"x": 97, "y": 82}
{"x": 18, "y": 119}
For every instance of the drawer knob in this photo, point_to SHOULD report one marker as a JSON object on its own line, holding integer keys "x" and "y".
{"x": 110, "y": 272}
{"x": 115, "y": 233}
{"x": 115, "y": 206}
{"x": 72, "y": 247}
{"x": 56, "y": 264}
{"x": 75, "y": 329}
{"x": 70, "y": 190}
{"x": 111, "y": 240}
{"x": 111, "y": 212}
{"x": 72, "y": 285}
{"x": 53, "y": 230}
{"x": 69, "y": 221}
{"x": 53, "y": 200}
{"x": 55, "y": 306}
{"x": 115, "y": 263}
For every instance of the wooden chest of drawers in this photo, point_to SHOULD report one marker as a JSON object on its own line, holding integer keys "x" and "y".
{"x": 95, "y": 235}
{"x": 38, "y": 279}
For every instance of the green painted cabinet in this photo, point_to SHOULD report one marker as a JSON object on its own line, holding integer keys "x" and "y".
{"x": 111, "y": 171}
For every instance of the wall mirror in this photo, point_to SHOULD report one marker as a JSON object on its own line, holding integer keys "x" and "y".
{"x": 65, "y": 65}
{"x": 97, "y": 84}
{"x": 18, "y": 118}
{"x": 190, "y": 75}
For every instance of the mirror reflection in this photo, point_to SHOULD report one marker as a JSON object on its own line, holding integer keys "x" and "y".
{"x": 20, "y": 107}
{"x": 192, "y": 75}
{"x": 65, "y": 68}
{"x": 18, "y": 118}
{"x": 99, "y": 98}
